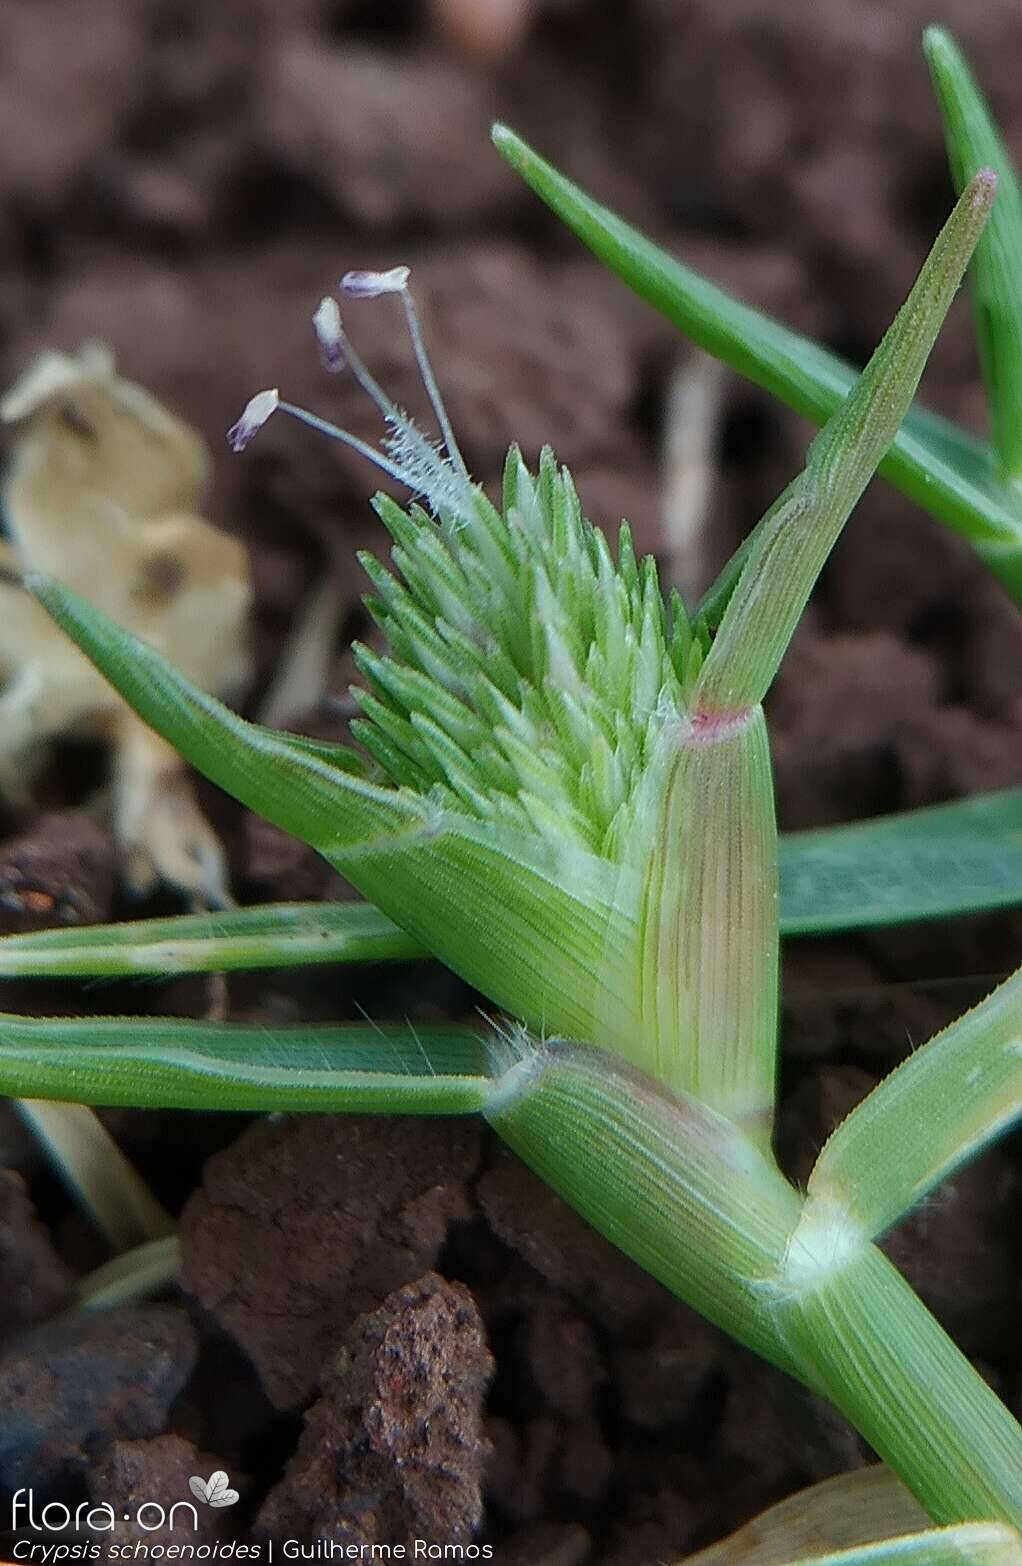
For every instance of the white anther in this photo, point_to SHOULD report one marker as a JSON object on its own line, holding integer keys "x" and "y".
{"x": 369, "y": 285}
{"x": 256, "y": 413}
{"x": 329, "y": 335}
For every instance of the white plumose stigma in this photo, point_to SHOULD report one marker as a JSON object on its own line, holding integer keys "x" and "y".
{"x": 257, "y": 411}
{"x": 435, "y": 471}
{"x": 369, "y": 285}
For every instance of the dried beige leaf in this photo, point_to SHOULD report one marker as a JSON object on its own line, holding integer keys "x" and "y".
{"x": 104, "y": 490}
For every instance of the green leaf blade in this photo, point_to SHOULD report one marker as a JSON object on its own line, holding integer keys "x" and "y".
{"x": 533, "y": 925}
{"x": 960, "y": 858}
{"x": 945, "y": 470}
{"x": 162, "y": 1063}
{"x": 289, "y": 781}
{"x": 789, "y": 549}
{"x": 973, "y": 142}
{"x": 939, "y": 1108}
{"x": 273, "y": 935}
{"x": 525, "y": 919}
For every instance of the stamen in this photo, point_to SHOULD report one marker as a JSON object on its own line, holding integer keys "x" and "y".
{"x": 429, "y": 379}
{"x": 416, "y": 462}
{"x": 437, "y": 474}
{"x": 335, "y": 432}
{"x": 412, "y": 461}
{"x": 369, "y": 285}
{"x": 339, "y": 343}
{"x": 256, "y": 412}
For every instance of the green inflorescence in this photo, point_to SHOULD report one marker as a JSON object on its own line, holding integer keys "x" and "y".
{"x": 529, "y": 674}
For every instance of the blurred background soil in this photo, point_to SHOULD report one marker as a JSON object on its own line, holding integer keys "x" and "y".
{"x": 388, "y": 1330}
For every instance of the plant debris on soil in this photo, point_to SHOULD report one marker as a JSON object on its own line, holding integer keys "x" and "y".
{"x": 390, "y": 1330}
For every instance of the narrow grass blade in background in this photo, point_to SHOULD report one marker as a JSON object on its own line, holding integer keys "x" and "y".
{"x": 172, "y": 1064}
{"x": 973, "y": 142}
{"x": 944, "y": 1104}
{"x": 964, "y": 857}
{"x": 944, "y": 469}
{"x": 274, "y": 935}
{"x": 100, "y": 1177}
{"x": 136, "y": 1274}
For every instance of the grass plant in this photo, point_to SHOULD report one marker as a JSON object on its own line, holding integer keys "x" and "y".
{"x": 563, "y": 792}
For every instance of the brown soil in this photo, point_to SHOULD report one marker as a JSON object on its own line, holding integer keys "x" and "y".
{"x": 388, "y": 1330}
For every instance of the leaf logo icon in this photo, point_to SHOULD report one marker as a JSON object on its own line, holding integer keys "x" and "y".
{"x": 214, "y": 1491}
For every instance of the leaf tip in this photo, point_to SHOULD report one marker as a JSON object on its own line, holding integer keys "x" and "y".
{"x": 937, "y": 41}
{"x": 39, "y": 583}
{"x": 509, "y": 145}
{"x": 982, "y": 188}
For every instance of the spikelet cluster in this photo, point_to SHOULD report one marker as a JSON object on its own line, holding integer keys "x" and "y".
{"x": 529, "y": 676}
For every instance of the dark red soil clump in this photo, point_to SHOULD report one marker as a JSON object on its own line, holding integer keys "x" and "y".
{"x": 399, "y": 1418}
{"x": 304, "y": 1224}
